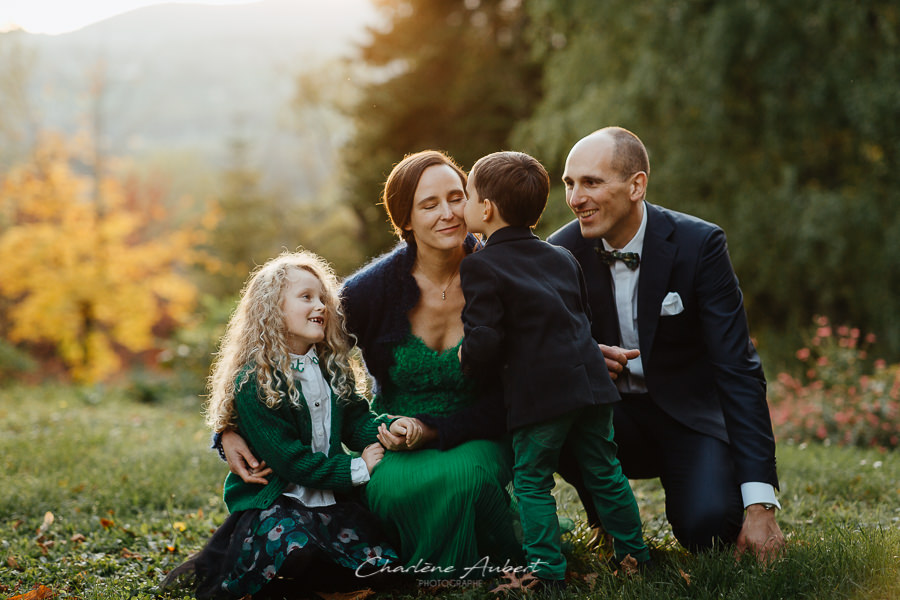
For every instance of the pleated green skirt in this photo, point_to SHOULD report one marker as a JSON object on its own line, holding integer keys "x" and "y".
{"x": 450, "y": 510}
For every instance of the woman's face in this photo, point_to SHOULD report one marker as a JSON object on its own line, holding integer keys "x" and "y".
{"x": 436, "y": 219}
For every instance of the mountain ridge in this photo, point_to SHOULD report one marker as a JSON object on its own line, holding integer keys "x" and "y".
{"x": 191, "y": 76}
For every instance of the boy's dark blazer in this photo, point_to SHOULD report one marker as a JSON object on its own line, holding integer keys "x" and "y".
{"x": 527, "y": 316}
{"x": 700, "y": 365}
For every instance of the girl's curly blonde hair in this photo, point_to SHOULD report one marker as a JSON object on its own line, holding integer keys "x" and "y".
{"x": 256, "y": 336}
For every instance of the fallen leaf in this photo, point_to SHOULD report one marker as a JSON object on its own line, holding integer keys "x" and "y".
{"x": 126, "y": 553}
{"x": 107, "y": 523}
{"x": 48, "y": 521}
{"x": 44, "y": 545}
{"x": 685, "y": 576}
{"x": 13, "y": 563}
{"x": 41, "y": 592}
{"x": 16, "y": 524}
{"x": 77, "y": 538}
{"x": 629, "y": 565}
{"x": 527, "y": 581}
{"x": 357, "y": 595}
{"x": 590, "y": 578}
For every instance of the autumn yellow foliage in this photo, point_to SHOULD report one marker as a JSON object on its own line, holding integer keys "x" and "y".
{"x": 80, "y": 268}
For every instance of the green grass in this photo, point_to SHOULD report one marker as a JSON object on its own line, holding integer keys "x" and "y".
{"x": 133, "y": 490}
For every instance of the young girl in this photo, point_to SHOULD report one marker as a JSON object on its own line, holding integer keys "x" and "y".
{"x": 284, "y": 379}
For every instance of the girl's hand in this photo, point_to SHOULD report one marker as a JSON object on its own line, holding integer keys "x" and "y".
{"x": 390, "y": 440}
{"x": 409, "y": 428}
{"x": 372, "y": 454}
{"x": 241, "y": 461}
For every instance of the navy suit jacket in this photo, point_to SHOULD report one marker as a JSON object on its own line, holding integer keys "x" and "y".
{"x": 700, "y": 365}
{"x": 527, "y": 317}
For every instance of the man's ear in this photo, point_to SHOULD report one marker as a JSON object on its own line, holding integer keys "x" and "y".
{"x": 638, "y": 188}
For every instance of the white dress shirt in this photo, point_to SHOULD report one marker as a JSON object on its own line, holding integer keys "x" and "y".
{"x": 625, "y": 289}
{"x": 317, "y": 394}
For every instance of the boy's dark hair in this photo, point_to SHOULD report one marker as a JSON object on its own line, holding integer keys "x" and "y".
{"x": 516, "y": 182}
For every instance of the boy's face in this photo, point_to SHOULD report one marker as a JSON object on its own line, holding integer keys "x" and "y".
{"x": 474, "y": 207}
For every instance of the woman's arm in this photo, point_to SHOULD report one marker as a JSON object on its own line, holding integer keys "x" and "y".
{"x": 484, "y": 420}
{"x": 234, "y": 449}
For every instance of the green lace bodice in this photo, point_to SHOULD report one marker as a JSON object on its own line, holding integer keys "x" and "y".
{"x": 422, "y": 380}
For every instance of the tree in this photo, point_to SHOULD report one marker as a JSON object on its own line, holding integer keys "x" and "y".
{"x": 94, "y": 282}
{"x": 776, "y": 120}
{"x": 448, "y": 75}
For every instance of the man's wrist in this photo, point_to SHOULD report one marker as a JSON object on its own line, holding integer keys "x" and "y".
{"x": 755, "y": 492}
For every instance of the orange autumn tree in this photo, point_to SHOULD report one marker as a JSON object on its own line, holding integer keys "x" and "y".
{"x": 85, "y": 269}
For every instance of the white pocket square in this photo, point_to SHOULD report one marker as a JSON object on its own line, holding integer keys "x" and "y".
{"x": 671, "y": 305}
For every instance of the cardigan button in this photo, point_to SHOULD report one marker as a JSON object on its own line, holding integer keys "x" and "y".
{"x": 318, "y": 403}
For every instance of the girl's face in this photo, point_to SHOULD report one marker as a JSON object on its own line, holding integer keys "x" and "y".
{"x": 303, "y": 304}
{"x": 436, "y": 219}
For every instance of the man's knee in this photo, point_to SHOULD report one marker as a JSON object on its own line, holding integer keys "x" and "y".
{"x": 704, "y": 528}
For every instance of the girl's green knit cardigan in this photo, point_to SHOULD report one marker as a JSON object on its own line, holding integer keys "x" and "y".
{"x": 282, "y": 437}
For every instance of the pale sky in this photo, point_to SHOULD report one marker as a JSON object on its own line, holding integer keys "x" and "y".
{"x": 60, "y": 16}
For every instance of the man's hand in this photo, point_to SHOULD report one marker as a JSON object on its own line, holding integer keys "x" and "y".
{"x": 241, "y": 461}
{"x": 617, "y": 358}
{"x": 760, "y": 534}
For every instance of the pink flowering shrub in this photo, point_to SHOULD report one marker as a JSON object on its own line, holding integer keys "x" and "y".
{"x": 842, "y": 397}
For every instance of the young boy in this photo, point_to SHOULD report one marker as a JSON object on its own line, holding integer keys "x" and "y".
{"x": 526, "y": 315}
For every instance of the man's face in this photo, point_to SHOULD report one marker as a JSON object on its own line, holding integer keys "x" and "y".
{"x": 604, "y": 201}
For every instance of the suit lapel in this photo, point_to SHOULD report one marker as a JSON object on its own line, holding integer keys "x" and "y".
{"x": 657, "y": 258}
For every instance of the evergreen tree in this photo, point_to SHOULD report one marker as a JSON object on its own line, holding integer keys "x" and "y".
{"x": 777, "y": 120}
{"x": 450, "y": 75}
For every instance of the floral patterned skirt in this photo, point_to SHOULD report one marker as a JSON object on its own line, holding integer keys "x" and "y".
{"x": 291, "y": 546}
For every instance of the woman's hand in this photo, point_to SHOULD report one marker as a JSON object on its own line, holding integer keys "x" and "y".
{"x": 372, "y": 455}
{"x": 406, "y": 433}
{"x": 409, "y": 428}
{"x": 241, "y": 461}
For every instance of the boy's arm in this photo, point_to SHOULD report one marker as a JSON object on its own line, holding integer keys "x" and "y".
{"x": 482, "y": 316}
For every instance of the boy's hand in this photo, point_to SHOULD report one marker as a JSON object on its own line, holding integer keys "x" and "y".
{"x": 241, "y": 461}
{"x": 372, "y": 455}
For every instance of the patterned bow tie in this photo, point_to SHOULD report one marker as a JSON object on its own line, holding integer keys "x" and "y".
{"x": 631, "y": 259}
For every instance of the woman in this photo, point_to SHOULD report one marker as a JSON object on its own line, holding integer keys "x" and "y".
{"x": 448, "y": 503}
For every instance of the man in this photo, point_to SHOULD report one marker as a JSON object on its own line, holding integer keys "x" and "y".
{"x": 669, "y": 315}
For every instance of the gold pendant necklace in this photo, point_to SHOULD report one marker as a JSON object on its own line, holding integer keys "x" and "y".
{"x": 446, "y": 287}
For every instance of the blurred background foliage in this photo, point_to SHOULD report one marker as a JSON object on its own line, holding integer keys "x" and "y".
{"x": 778, "y": 120}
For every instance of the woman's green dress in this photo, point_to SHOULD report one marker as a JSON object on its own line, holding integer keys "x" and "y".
{"x": 448, "y": 509}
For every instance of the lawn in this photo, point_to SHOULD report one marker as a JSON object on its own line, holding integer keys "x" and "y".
{"x": 101, "y": 495}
